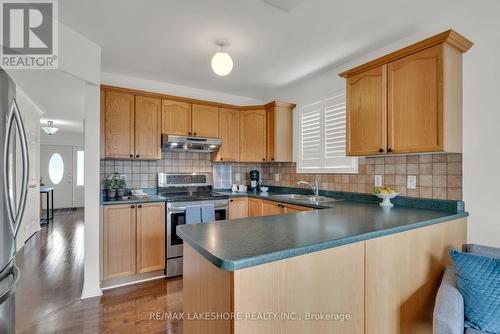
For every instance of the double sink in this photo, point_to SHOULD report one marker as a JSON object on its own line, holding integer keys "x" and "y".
{"x": 311, "y": 199}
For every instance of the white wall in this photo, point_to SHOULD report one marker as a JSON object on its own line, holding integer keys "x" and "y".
{"x": 173, "y": 89}
{"x": 62, "y": 138}
{"x": 480, "y": 24}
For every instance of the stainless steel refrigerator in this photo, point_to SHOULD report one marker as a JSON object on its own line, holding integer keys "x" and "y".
{"x": 13, "y": 190}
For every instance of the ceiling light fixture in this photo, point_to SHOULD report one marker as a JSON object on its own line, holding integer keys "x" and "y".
{"x": 222, "y": 63}
{"x": 50, "y": 129}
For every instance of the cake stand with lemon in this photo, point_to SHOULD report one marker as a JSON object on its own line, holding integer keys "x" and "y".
{"x": 386, "y": 194}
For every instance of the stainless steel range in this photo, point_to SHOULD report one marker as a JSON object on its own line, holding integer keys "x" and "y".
{"x": 182, "y": 191}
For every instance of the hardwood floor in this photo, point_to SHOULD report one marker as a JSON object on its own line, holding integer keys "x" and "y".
{"x": 48, "y": 294}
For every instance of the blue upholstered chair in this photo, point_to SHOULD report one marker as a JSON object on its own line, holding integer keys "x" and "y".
{"x": 449, "y": 308}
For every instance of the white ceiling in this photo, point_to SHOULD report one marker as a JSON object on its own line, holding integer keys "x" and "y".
{"x": 173, "y": 41}
{"x": 59, "y": 96}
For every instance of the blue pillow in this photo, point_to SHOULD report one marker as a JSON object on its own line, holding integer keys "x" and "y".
{"x": 478, "y": 280}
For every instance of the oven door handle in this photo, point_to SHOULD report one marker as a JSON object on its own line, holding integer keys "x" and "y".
{"x": 181, "y": 209}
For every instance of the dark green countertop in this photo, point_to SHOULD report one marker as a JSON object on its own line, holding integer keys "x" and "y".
{"x": 152, "y": 198}
{"x": 241, "y": 243}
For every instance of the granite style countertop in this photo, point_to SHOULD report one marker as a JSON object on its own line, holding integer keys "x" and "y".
{"x": 236, "y": 244}
{"x": 152, "y": 198}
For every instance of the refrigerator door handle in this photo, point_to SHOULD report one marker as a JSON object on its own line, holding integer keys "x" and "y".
{"x": 25, "y": 170}
{"x": 7, "y": 293}
{"x": 15, "y": 220}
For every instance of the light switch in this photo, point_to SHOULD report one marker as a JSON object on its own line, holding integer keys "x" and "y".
{"x": 378, "y": 180}
{"x": 276, "y": 177}
{"x": 237, "y": 177}
{"x": 411, "y": 182}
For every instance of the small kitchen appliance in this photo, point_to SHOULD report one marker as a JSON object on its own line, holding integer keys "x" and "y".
{"x": 254, "y": 179}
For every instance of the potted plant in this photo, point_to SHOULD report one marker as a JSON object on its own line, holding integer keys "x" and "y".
{"x": 115, "y": 185}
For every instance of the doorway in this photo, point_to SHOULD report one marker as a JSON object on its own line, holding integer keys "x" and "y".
{"x": 56, "y": 170}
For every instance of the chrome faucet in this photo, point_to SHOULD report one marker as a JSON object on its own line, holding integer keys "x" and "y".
{"x": 314, "y": 187}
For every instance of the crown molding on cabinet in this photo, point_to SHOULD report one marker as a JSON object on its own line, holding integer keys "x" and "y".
{"x": 450, "y": 37}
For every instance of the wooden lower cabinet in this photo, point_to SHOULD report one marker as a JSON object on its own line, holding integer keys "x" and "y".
{"x": 254, "y": 207}
{"x": 289, "y": 208}
{"x": 133, "y": 239}
{"x": 119, "y": 241}
{"x": 259, "y": 207}
{"x": 271, "y": 208}
{"x": 150, "y": 237}
{"x": 238, "y": 208}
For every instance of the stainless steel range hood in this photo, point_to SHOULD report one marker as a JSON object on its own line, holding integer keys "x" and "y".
{"x": 190, "y": 144}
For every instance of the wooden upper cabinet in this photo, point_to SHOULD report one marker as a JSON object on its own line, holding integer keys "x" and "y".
{"x": 150, "y": 237}
{"x": 119, "y": 125}
{"x": 367, "y": 112}
{"x": 176, "y": 118}
{"x": 280, "y": 131}
{"x": 119, "y": 227}
{"x": 205, "y": 121}
{"x": 409, "y": 101}
{"x": 253, "y": 138}
{"x": 147, "y": 128}
{"x": 229, "y": 133}
{"x": 415, "y": 102}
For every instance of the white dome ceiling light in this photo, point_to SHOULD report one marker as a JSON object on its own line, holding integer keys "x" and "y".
{"x": 50, "y": 129}
{"x": 222, "y": 63}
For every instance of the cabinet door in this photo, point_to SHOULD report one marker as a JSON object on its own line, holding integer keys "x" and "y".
{"x": 271, "y": 208}
{"x": 367, "y": 112}
{"x": 147, "y": 128}
{"x": 289, "y": 208}
{"x": 229, "y": 133}
{"x": 150, "y": 237}
{"x": 415, "y": 105}
{"x": 176, "y": 118}
{"x": 253, "y": 137}
{"x": 119, "y": 125}
{"x": 205, "y": 122}
{"x": 238, "y": 208}
{"x": 254, "y": 207}
{"x": 279, "y": 134}
{"x": 119, "y": 240}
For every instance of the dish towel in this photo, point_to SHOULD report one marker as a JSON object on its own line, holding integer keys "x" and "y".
{"x": 207, "y": 213}
{"x": 193, "y": 215}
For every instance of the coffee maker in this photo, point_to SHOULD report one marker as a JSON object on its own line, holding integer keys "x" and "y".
{"x": 254, "y": 179}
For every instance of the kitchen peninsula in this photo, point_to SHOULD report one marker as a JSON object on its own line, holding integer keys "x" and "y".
{"x": 352, "y": 268}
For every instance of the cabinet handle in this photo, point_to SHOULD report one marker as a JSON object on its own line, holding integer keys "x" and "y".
{"x": 137, "y": 156}
{"x": 189, "y": 133}
{"x": 131, "y": 155}
{"x": 381, "y": 150}
{"x": 389, "y": 149}
{"x": 231, "y": 200}
{"x": 132, "y": 206}
{"x": 263, "y": 159}
{"x": 221, "y": 159}
{"x": 139, "y": 206}
{"x": 194, "y": 133}
{"x": 272, "y": 159}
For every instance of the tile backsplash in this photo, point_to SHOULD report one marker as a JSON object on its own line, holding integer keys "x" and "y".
{"x": 439, "y": 176}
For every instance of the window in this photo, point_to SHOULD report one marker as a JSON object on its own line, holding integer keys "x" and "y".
{"x": 56, "y": 168}
{"x": 80, "y": 168}
{"x": 322, "y": 137}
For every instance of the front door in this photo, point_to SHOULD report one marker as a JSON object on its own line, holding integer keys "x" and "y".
{"x": 56, "y": 170}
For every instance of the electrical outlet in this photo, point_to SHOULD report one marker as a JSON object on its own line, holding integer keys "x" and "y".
{"x": 237, "y": 177}
{"x": 378, "y": 180}
{"x": 276, "y": 177}
{"x": 411, "y": 182}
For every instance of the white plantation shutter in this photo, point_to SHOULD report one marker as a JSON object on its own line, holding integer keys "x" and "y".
{"x": 310, "y": 135}
{"x": 322, "y": 137}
